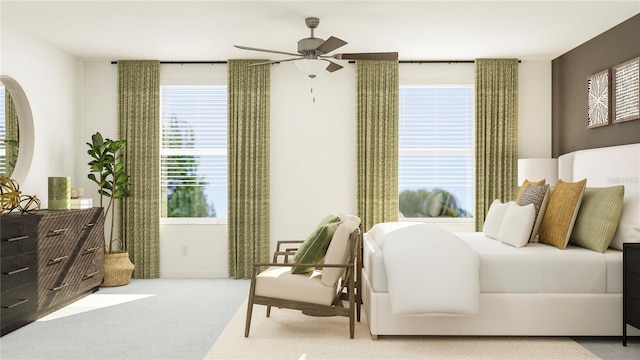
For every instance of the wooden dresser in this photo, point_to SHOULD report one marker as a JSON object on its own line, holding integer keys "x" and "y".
{"x": 48, "y": 260}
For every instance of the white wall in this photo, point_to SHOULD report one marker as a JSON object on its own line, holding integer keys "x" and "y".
{"x": 51, "y": 80}
{"x": 313, "y": 151}
{"x": 534, "y": 109}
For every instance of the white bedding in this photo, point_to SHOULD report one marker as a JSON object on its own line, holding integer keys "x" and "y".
{"x": 535, "y": 268}
{"x": 430, "y": 271}
{"x": 532, "y": 291}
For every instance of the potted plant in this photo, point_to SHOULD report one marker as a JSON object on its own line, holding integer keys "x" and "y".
{"x": 107, "y": 170}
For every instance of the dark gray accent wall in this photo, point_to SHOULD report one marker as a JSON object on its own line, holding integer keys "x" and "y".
{"x": 569, "y": 90}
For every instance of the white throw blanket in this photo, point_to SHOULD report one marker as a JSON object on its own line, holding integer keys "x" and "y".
{"x": 430, "y": 270}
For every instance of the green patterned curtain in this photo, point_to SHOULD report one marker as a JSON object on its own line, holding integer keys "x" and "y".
{"x": 496, "y": 88}
{"x": 12, "y": 132}
{"x": 248, "y": 155}
{"x": 377, "y": 132}
{"x": 139, "y": 124}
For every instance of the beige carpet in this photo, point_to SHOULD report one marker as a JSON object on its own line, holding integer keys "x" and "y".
{"x": 288, "y": 334}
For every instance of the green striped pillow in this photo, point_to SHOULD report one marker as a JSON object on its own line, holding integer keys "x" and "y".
{"x": 313, "y": 249}
{"x": 598, "y": 218}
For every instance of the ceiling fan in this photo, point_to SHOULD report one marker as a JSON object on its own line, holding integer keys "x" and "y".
{"x": 312, "y": 55}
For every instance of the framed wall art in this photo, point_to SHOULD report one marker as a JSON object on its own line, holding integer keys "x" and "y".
{"x": 598, "y": 99}
{"x": 626, "y": 91}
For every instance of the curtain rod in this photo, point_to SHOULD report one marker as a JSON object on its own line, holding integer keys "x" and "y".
{"x": 212, "y": 62}
{"x": 434, "y": 61}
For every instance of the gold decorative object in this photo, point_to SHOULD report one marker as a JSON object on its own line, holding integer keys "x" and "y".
{"x": 9, "y": 195}
{"x": 29, "y": 204}
{"x": 11, "y": 198}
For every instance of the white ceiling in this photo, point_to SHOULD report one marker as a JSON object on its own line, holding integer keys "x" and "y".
{"x": 418, "y": 30}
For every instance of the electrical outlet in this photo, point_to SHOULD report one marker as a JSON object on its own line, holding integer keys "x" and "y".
{"x": 184, "y": 250}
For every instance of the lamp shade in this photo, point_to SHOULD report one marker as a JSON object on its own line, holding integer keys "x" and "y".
{"x": 538, "y": 169}
{"x": 311, "y": 67}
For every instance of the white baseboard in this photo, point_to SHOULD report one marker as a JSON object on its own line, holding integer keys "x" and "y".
{"x": 194, "y": 275}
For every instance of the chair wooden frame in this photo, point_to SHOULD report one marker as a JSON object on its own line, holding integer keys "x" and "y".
{"x": 349, "y": 290}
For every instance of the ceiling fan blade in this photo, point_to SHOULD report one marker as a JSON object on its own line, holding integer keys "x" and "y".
{"x": 331, "y": 44}
{"x": 264, "y": 50}
{"x": 333, "y": 66}
{"x": 275, "y": 61}
{"x": 367, "y": 56}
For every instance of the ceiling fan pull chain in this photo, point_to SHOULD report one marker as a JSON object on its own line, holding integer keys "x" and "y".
{"x": 312, "y": 96}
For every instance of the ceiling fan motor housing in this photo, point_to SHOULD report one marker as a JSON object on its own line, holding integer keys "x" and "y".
{"x": 307, "y": 46}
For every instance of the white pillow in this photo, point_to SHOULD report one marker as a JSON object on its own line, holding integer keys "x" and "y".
{"x": 492, "y": 222}
{"x": 517, "y": 224}
{"x": 629, "y": 225}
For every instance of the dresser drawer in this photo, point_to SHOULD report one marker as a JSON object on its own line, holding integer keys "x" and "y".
{"x": 18, "y": 236}
{"x": 18, "y": 301}
{"x": 56, "y": 258}
{"x": 88, "y": 253}
{"x": 632, "y": 285}
{"x": 53, "y": 235}
{"x": 55, "y": 288}
{"x": 632, "y": 258}
{"x": 91, "y": 278}
{"x": 18, "y": 269}
{"x": 632, "y": 311}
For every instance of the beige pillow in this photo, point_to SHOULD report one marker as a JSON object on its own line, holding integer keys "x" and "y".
{"x": 524, "y": 185}
{"x": 598, "y": 218}
{"x": 561, "y": 213}
{"x": 338, "y": 250}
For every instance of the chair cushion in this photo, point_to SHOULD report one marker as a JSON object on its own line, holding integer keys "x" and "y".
{"x": 338, "y": 251}
{"x": 280, "y": 283}
{"x": 313, "y": 249}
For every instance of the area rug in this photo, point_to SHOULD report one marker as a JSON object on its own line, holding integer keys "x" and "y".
{"x": 288, "y": 334}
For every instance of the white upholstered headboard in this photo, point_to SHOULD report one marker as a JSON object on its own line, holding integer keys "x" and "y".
{"x": 609, "y": 166}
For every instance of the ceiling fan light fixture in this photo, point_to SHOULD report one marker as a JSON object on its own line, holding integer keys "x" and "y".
{"x": 311, "y": 67}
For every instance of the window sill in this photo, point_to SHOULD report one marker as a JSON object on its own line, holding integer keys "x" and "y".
{"x": 193, "y": 221}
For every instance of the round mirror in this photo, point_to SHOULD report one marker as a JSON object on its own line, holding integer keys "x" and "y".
{"x": 16, "y": 130}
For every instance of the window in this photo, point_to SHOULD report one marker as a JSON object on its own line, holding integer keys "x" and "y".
{"x": 193, "y": 153}
{"x": 436, "y": 151}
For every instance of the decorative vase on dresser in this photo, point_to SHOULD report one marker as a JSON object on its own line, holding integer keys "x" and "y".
{"x": 49, "y": 260}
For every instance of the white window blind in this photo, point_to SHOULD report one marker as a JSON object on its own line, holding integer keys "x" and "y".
{"x": 436, "y": 149}
{"x": 193, "y": 151}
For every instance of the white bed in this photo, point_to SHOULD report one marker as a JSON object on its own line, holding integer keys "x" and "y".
{"x": 534, "y": 290}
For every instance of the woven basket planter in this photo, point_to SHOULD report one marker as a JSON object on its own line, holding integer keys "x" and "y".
{"x": 117, "y": 269}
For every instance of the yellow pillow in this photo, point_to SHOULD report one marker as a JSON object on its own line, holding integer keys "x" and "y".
{"x": 561, "y": 213}
{"x": 524, "y": 185}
